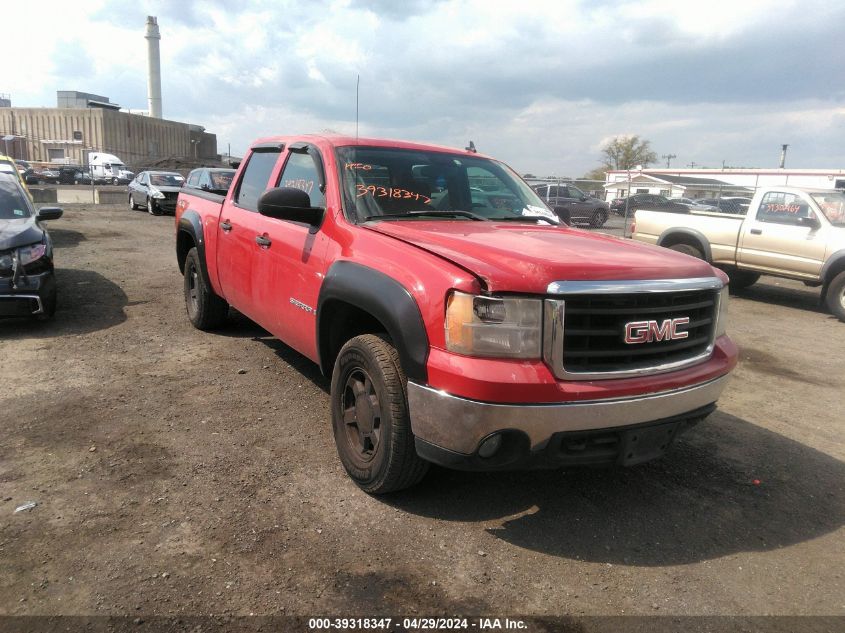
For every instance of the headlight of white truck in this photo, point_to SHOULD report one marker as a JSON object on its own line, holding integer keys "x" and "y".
{"x": 722, "y": 317}
{"x": 506, "y": 327}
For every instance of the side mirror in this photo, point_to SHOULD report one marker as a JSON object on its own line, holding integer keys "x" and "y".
{"x": 563, "y": 214}
{"x": 203, "y": 186}
{"x": 288, "y": 203}
{"x": 812, "y": 222}
{"x": 584, "y": 198}
{"x": 49, "y": 213}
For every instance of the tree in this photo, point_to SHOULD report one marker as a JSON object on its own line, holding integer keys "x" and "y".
{"x": 626, "y": 152}
{"x": 599, "y": 173}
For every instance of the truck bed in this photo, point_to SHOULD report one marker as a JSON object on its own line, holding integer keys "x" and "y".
{"x": 720, "y": 229}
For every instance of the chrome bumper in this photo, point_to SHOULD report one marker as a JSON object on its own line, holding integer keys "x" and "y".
{"x": 458, "y": 424}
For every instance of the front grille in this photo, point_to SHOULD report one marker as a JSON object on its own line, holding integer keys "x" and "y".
{"x": 594, "y": 329}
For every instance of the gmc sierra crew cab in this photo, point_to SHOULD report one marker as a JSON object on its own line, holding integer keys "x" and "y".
{"x": 787, "y": 232}
{"x": 476, "y": 332}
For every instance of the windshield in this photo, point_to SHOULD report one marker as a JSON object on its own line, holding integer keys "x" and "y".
{"x": 13, "y": 203}
{"x": 402, "y": 183}
{"x": 166, "y": 180}
{"x": 832, "y": 204}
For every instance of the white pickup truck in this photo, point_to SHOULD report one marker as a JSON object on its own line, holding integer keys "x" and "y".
{"x": 786, "y": 232}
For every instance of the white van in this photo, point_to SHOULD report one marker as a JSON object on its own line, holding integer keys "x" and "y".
{"x": 108, "y": 168}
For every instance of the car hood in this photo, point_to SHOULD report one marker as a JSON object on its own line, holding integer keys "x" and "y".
{"x": 167, "y": 189}
{"x": 19, "y": 232}
{"x": 527, "y": 258}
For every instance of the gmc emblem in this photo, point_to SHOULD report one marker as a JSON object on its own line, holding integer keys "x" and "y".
{"x": 650, "y": 331}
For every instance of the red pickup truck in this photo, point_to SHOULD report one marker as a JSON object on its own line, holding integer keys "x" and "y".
{"x": 460, "y": 323}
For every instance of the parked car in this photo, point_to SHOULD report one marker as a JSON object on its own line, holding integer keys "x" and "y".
{"x": 27, "y": 282}
{"x": 155, "y": 191}
{"x": 73, "y": 175}
{"x": 692, "y": 204}
{"x": 211, "y": 179}
{"x": 41, "y": 176}
{"x": 456, "y": 330}
{"x": 742, "y": 201}
{"x": 9, "y": 166}
{"x": 645, "y": 201}
{"x": 786, "y": 232}
{"x": 581, "y": 208}
{"x": 725, "y": 205}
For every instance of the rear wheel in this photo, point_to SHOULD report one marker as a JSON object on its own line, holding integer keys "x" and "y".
{"x": 206, "y": 310}
{"x": 835, "y": 297}
{"x": 687, "y": 249}
{"x": 740, "y": 279}
{"x": 372, "y": 429}
{"x": 598, "y": 218}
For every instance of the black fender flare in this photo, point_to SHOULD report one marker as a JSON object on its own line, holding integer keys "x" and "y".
{"x": 386, "y": 300}
{"x": 190, "y": 223}
{"x": 698, "y": 236}
{"x": 836, "y": 258}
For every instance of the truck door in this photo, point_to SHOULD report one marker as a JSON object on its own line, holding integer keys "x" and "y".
{"x": 288, "y": 271}
{"x": 783, "y": 235}
{"x": 238, "y": 226}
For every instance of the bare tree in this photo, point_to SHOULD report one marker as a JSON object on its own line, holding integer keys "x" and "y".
{"x": 626, "y": 152}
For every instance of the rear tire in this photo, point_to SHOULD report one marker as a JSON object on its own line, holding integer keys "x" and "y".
{"x": 687, "y": 249}
{"x": 372, "y": 429}
{"x": 740, "y": 279}
{"x": 835, "y": 296}
{"x": 206, "y": 310}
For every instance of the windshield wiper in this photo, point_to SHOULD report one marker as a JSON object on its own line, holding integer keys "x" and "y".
{"x": 420, "y": 214}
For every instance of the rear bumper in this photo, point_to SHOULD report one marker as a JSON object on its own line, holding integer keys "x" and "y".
{"x": 450, "y": 429}
{"x": 28, "y": 298}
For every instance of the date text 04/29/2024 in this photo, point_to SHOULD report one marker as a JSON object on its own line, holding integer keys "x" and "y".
{"x": 416, "y": 624}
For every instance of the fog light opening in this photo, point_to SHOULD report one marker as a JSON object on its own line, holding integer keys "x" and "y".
{"x": 490, "y": 446}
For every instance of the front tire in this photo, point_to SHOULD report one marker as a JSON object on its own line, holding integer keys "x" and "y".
{"x": 151, "y": 206}
{"x": 598, "y": 218}
{"x": 835, "y": 296}
{"x": 206, "y": 310}
{"x": 372, "y": 428}
{"x": 132, "y": 205}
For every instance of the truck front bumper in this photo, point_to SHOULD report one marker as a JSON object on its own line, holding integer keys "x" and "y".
{"x": 452, "y": 431}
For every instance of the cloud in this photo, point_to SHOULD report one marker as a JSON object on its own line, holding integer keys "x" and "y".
{"x": 538, "y": 84}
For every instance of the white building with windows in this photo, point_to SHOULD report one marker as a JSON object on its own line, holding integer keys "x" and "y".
{"x": 715, "y": 183}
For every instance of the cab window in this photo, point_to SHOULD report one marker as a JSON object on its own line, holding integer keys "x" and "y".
{"x": 300, "y": 172}
{"x": 783, "y": 208}
{"x": 256, "y": 176}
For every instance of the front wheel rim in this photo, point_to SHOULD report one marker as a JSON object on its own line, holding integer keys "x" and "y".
{"x": 361, "y": 411}
{"x": 193, "y": 289}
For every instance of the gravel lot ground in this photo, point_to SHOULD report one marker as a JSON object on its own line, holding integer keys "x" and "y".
{"x": 169, "y": 483}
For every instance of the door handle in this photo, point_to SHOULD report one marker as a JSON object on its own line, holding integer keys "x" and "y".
{"x": 225, "y": 226}
{"x": 756, "y": 231}
{"x": 263, "y": 241}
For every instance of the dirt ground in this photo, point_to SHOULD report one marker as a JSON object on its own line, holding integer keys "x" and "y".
{"x": 168, "y": 481}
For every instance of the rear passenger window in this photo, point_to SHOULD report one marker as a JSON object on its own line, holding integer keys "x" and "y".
{"x": 255, "y": 179}
{"x": 300, "y": 172}
{"x": 194, "y": 179}
{"x": 782, "y": 208}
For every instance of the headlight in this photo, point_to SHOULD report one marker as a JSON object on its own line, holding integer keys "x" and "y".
{"x": 31, "y": 253}
{"x": 509, "y": 327}
{"x": 722, "y": 318}
{"x": 155, "y": 193}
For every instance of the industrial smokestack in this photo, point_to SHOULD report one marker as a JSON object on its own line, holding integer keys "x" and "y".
{"x": 783, "y": 155}
{"x": 153, "y": 67}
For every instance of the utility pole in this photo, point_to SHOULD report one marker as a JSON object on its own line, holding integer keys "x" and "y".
{"x": 691, "y": 165}
{"x": 668, "y": 158}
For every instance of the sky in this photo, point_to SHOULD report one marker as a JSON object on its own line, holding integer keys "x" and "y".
{"x": 542, "y": 86}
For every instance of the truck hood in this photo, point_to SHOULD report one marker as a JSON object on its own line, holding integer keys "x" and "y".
{"x": 19, "y": 232}
{"x": 526, "y": 258}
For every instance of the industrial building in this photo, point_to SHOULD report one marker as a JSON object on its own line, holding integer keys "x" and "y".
{"x": 68, "y": 134}
{"x": 82, "y": 123}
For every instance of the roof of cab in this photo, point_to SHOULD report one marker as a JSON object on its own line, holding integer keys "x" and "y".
{"x": 342, "y": 140}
